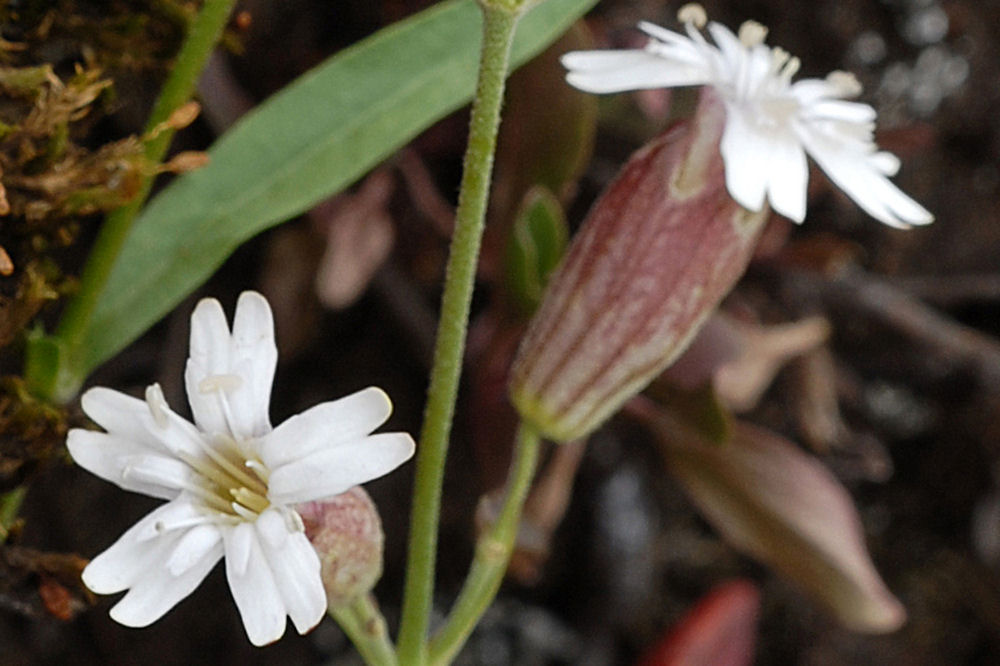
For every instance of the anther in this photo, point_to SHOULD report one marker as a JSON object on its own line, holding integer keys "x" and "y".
{"x": 157, "y": 406}
{"x": 845, "y": 83}
{"x": 791, "y": 67}
{"x": 293, "y": 521}
{"x": 224, "y": 383}
{"x": 752, "y": 34}
{"x": 694, "y": 14}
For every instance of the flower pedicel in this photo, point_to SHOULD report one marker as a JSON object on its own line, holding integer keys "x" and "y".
{"x": 675, "y": 230}
{"x": 231, "y": 480}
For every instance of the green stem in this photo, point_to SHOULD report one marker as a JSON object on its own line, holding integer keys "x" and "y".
{"x": 10, "y": 505}
{"x": 363, "y": 623}
{"x": 493, "y": 551}
{"x": 205, "y": 30}
{"x": 498, "y": 33}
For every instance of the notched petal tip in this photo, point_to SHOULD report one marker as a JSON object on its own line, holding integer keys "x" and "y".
{"x": 209, "y": 313}
{"x": 253, "y": 320}
{"x": 209, "y": 332}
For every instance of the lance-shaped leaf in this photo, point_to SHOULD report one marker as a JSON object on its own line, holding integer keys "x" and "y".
{"x": 318, "y": 135}
{"x": 658, "y": 251}
{"x": 783, "y": 507}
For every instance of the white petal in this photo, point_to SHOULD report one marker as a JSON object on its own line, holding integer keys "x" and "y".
{"x": 745, "y": 155}
{"x": 835, "y": 109}
{"x": 788, "y": 178}
{"x": 327, "y": 424}
{"x": 618, "y": 71}
{"x": 142, "y": 549}
{"x": 662, "y": 34}
{"x": 228, "y": 376}
{"x": 129, "y": 418}
{"x": 209, "y": 355}
{"x": 109, "y": 457}
{"x": 253, "y": 341}
{"x": 210, "y": 337}
{"x": 192, "y": 547}
{"x": 296, "y": 567}
{"x": 254, "y": 588}
{"x": 157, "y": 590}
{"x": 858, "y": 175}
{"x": 158, "y": 472}
{"x": 809, "y": 91}
{"x": 120, "y": 415}
{"x": 729, "y": 45}
{"x": 239, "y": 547}
{"x": 331, "y": 471}
{"x": 887, "y": 163}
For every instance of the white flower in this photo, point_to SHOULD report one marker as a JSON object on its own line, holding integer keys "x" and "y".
{"x": 231, "y": 480}
{"x": 771, "y": 123}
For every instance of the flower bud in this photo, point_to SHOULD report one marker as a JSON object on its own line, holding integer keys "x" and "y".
{"x": 658, "y": 251}
{"x": 346, "y": 532}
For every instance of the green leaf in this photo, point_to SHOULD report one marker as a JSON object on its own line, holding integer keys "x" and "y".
{"x": 311, "y": 140}
{"x": 700, "y": 409}
{"x": 537, "y": 242}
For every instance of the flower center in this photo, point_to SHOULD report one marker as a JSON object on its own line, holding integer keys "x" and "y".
{"x": 230, "y": 478}
{"x": 231, "y": 483}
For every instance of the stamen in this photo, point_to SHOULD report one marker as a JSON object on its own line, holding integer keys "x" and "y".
{"x": 752, "y": 34}
{"x": 226, "y": 474}
{"x": 845, "y": 83}
{"x": 779, "y": 57}
{"x": 243, "y": 512}
{"x": 246, "y": 479}
{"x": 791, "y": 68}
{"x": 249, "y": 499}
{"x": 258, "y": 468}
{"x": 153, "y": 476}
{"x": 223, "y": 383}
{"x": 694, "y": 14}
{"x": 162, "y": 526}
{"x": 293, "y": 521}
{"x": 157, "y": 406}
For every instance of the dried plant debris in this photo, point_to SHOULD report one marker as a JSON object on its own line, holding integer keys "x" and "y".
{"x": 46, "y": 175}
{"x": 127, "y": 35}
{"x": 31, "y": 433}
{"x": 38, "y": 584}
{"x": 60, "y": 66}
{"x": 49, "y": 181}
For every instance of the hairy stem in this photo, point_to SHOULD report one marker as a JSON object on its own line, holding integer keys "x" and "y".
{"x": 363, "y": 623}
{"x": 498, "y": 33}
{"x": 493, "y": 551}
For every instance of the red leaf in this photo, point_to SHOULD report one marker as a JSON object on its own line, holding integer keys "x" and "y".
{"x": 721, "y": 630}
